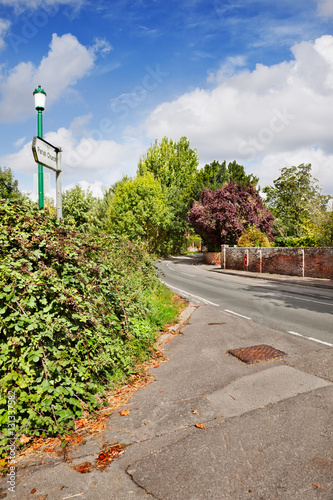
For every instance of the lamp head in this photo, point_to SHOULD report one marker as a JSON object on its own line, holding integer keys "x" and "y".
{"x": 40, "y": 96}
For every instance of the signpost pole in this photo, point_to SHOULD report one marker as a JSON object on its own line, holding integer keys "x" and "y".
{"x": 40, "y": 96}
{"x": 58, "y": 187}
{"x": 40, "y": 167}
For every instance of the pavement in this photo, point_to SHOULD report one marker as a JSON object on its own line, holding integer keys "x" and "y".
{"x": 209, "y": 426}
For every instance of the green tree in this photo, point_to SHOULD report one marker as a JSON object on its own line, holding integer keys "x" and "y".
{"x": 139, "y": 211}
{"x": 174, "y": 165}
{"x": 8, "y": 185}
{"x": 296, "y": 200}
{"x": 214, "y": 175}
{"x": 79, "y": 209}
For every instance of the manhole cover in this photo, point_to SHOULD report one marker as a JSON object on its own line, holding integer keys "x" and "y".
{"x": 257, "y": 353}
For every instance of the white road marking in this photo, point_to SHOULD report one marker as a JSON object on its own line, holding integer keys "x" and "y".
{"x": 186, "y": 274}
{"x": 297, "y": 334}
{"x": 205, "y": 301}
{"x": 236, "y": 314}
{"x": 311, "y": 338}
{"x": 320, "y": 341}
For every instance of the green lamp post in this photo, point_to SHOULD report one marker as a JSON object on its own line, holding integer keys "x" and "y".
{"x": 40, "y": 97}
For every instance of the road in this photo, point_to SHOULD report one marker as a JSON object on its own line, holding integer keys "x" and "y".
{"x": 299, "y": 310}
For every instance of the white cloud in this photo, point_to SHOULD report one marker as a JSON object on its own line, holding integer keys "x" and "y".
{"x": 325, "y": 8}
{"x": 101, "y": 45}
{"x": 21, "y": 5}
{"x": 20, "y": 142}
{"x": 66, "y": 62}
{"x": 322, "y": 166}
{"x": 93, "y": 156}
{"x": 97, "y": 188}
{"x": 4, "y": 27}
{"x": 272, "y": 111}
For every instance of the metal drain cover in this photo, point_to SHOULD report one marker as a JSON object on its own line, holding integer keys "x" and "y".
{"x": 257, "y": 353}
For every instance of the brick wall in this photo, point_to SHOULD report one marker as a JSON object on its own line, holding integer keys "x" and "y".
{"x": 308, "y": 262}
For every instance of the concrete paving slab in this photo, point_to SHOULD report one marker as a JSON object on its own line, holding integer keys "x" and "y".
{"x": 164, "y": 418}
{"x": 319, "y": 363}
{"x": 280, "y": 452}
{"x": 263, "y": 388}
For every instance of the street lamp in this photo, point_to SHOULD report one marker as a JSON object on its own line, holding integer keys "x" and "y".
{"x": 40, "y": 97}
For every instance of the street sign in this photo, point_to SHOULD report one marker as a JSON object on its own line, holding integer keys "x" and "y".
{"x": 45, "y": 154}
{"x": 49, "y": 156}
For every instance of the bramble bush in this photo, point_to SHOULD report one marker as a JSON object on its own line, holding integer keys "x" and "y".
{"x": 77, "y": 313}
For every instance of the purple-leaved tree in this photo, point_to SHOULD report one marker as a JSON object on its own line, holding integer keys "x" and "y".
{"x": 221, "y": 216}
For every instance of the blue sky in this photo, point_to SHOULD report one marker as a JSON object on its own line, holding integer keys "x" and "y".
{"x": 245, "y": 80}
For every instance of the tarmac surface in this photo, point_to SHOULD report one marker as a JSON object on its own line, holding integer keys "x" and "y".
{"x": 265, "y": 429}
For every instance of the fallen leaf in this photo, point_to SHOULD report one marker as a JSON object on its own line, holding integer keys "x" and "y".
{"x": 33, "y": 491}
{"x": 317, "y": 486}
{"x": 25, "y": 439}
{"x": 123, "y": 413}
{"x": 195, "y": 412}
{"x": 50, "y": 450}
{"x": 106, "y": 456}
{"x": 200, "y": 426}
{"x": 83, "y": 468}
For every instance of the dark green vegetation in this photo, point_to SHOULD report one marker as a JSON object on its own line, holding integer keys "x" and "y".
{"x": 78, "y": 312}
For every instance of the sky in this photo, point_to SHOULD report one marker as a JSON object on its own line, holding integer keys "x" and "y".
{"x": 244, "y": 80}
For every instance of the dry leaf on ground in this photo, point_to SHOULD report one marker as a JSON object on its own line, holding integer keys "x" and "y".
{"x": 123, "y": 413}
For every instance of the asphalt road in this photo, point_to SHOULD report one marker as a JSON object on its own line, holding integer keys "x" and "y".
{"x": 299, "y": 310}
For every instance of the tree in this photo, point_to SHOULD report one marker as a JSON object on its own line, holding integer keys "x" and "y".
{"x": 221, "y": 216}
{"x": 215, "y": 175}
{"x": 8, "y": 186}
{"x": 139, "y": 211}
{"x": 174, "y": 165}
{"x": 79, "y": 209}
{"x": 296, "y": 199}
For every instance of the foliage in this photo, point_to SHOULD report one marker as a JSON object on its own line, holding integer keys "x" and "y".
{"x": 296, "y": 201}
{"x": 77, "y": 313}
{"x": 215, "y": 175}
{"x": 139, "y": 211}
{"x": 325, "y": 227}
{"x": 222, "y": 215}
{"x": 174, "y": 165}
{"x": 78, "y": 207}
{"x": 8, "y": 185}
{"x": 253, "y": 237}
{"x": 292, "y": 241}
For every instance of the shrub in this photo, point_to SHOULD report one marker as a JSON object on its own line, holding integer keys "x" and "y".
{"x": 253, "y": 237}
{"x": 76, "y": 316}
